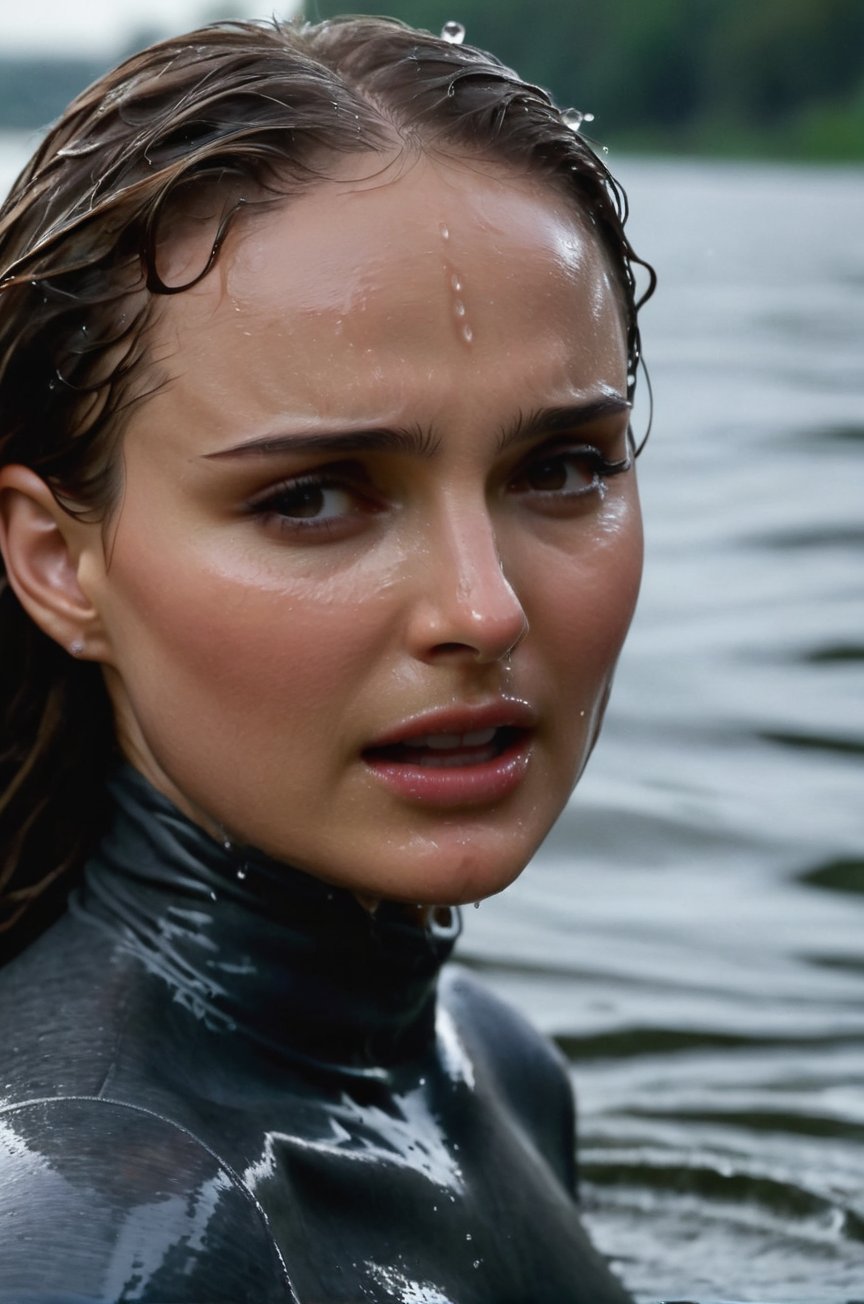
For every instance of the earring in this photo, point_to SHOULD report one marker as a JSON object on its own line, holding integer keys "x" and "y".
{"x": 76, "y": 647}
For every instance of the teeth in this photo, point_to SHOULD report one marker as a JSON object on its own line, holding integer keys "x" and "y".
{"x": 447, "y": 742}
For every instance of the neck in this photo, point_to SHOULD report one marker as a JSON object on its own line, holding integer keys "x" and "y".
{"x": 256, "y": 948}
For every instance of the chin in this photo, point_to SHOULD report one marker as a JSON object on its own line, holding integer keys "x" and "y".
{"x": 457, "y": 876}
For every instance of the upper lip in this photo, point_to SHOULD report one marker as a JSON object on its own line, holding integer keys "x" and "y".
{"x": 504, "y": 712}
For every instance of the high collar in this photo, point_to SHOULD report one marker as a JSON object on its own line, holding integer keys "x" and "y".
{"x": 253, "y": 946}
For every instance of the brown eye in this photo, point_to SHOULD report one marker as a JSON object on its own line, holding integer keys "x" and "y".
{"x": 568, "y": 474}
{"x": 302, "y": 502}
{"x": 554, "y": 474}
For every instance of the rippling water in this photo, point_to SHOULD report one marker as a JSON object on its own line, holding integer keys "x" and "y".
{"x": 692, "y": 932}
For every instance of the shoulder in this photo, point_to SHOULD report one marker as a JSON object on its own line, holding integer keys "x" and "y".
{"x": 527, "y": 1073}
{"x": 102, "y": 1200}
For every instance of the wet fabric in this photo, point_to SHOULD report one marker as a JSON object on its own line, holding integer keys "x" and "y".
{"x": 224, "y": 1080}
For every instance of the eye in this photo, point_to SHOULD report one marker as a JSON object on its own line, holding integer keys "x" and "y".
{"x": 312, "y": 500}
{"x": 571, "y": 472}
{"x": 330, "y": 503}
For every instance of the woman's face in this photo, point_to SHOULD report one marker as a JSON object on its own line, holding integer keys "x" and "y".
{"x": 371, "y": 570}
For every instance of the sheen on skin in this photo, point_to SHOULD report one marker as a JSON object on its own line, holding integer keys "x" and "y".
{"x": 258, "y": 639}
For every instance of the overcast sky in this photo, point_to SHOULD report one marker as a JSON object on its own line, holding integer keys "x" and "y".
{"x": 103, "y": 25}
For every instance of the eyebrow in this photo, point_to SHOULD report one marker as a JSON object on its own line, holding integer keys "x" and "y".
{"x": 562, "y": 420}
{"x": 418, "y": 442}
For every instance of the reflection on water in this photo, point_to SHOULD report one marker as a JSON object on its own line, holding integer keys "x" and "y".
{"x": 692, "y": 931}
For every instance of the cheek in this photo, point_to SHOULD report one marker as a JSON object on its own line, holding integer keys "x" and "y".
{"x": 588, "y": 599}
{"x": 211, "y": 643}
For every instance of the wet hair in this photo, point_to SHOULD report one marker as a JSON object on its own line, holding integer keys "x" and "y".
{"x": 234, "y": 116}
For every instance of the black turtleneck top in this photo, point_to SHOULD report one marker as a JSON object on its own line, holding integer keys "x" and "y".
{"x": 222, "y": 1080}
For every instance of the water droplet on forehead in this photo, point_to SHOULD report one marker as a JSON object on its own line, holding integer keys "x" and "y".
{"x": 574, "y": 118}
{"x": 453, "y": 33}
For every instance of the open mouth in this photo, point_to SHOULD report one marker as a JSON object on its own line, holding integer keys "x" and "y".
{"x": 445, "y": 750}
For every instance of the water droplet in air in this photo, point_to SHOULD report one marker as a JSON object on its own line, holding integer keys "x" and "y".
{"x": 476, "y": 905}
{"x": 605, "y": 149}
{"x": 468, "y": 1236}
{"x": 476, "y": 1263}
{"x": 631, "y": 379}
{"x": 453, "y": 33}
{"x": 574, "y": 118}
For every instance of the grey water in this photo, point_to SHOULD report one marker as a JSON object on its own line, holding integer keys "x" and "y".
{"x": 692, "y": 933}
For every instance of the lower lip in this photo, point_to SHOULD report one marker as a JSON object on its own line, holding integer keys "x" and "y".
{"x": 457, "y": 785}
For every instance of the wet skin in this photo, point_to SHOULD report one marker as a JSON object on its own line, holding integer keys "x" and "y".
{"x": 355, "y": 514}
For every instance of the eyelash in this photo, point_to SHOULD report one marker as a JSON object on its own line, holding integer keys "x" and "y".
{"x": 347, "y": 481}
{"x": 585, "y": 456}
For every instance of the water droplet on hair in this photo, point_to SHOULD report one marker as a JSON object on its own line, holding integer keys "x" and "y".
{"x": 453, "y": 33}
{"x": 476, "y": 1263}
{"x": 241, "y": 872}
{"x": 631, "y": 379}
{"x": 573, "y": 118}
{"x": 468, "y": 1236}
{"x": 226, "y": 843}
{"x": 213, "y": 896}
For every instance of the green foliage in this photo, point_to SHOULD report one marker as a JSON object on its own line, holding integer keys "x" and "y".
{"x": 730, "y": 76}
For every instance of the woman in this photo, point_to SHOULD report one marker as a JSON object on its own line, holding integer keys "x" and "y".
{"x": 321, "y": 538}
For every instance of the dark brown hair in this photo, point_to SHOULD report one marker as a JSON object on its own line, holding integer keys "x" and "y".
{"x": 245, "y": 113}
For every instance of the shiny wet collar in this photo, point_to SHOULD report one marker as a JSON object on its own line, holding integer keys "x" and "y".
{"x": 256, "y": 948}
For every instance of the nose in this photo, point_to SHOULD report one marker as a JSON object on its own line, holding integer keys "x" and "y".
{"x": 465, "y": 605}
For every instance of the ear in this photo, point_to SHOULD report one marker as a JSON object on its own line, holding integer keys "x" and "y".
{"x": 42, "y": 547}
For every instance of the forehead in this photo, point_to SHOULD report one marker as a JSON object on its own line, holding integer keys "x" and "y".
{"x": 404, "y": 274}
